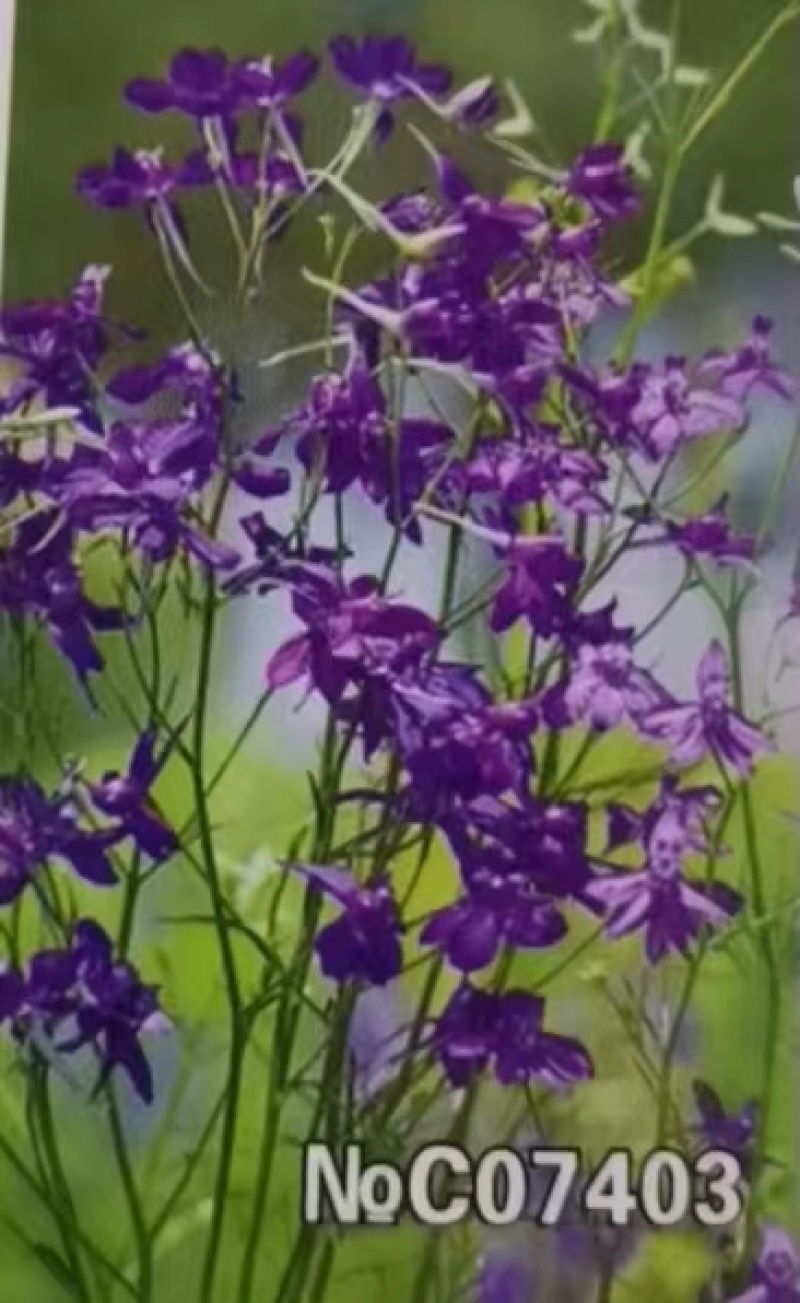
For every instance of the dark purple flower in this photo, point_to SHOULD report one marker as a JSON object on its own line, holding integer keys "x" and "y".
{"x": 36, "y": 829}
{"x": 776, "y": 1275}
{"x": 603, "y": 180}
{"x": 711, "y": 536}
{"x": 709, "y": 726}
{"x": 40, "y": 578}
{"x": 482, "y": 1028}
{"x": 272, "y": 84}
{"x": 355, "y": 639}
{"x": 54, "y": 346}
{"x": 495, "y": 912}
{"x": 126, "y": 798}
{"x": 140, "y": 179}
{"x": 363, "y": 944}
{"x": 82, "y": 997}
{"x": 540, "y": 585}
{"x": 670, "y": 910}
{"x": 194, "y": 375}
{"x": 142, "y": 483}
{"x": 200, "y": 83}
{"x": 385, "y": 68}
{"x": 456, "y": 742}
{"x": 716, "y": 1129}
{"x": 533, "y": 469}
{"x": 748, "y": 368}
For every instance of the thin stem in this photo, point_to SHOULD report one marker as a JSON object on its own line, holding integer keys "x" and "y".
{"x": 144, "y": 1247}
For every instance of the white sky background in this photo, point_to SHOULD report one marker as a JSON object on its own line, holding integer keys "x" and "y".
{"x": 7, "y": 14}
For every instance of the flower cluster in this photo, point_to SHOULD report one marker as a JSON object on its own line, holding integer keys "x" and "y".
{"x": 558, "y": 472}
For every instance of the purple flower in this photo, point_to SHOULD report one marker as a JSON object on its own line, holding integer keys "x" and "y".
{"x": 142, "y": 483}
{"x": 35, "y": 829}
{"x": 606, "y": 689}
{"x": 776, "y": 1275}
{"x": 709, "y": 726}
{"x": 673, "y": 410}
{"x": 690, "y": 806}
{"x": 505, "y": 1278}
{"x": 716, "y": 1129}
{"x": 271, "y": 84}
{"x": 202, "y": 84}
{"x": 533, "y": 468}
{"x": 385, "y": 68}
{"x": 140, "y": 179}
{"x": 479, "y": 1029}
{"x": 540, "y": 585}
{"x": 126, "y": 799}
{"x": 711, "y": 536}
{"x": 670, "y": 910}
{"x": 603, "y": 180}
{"x": 456, "y": 742}
{"x": 750, "y": 367}
{"x": 194, "y": 375}
{"x": 54, "y": 346}
{"x": 82, "y": 997}
{"x": 496, "y": 912}
{"x": 39, "y": 578}
{"x": 354, "y": 639}
{"x": 363, "y": 944}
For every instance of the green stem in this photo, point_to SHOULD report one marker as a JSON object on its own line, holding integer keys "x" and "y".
{"x": 144, "y": 1246}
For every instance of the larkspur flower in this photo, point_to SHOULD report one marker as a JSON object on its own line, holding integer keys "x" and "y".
{"x": 363, "y": 943}
{"x": 776, "y": 1274}
{"x": 202, "y": 84}
{"x": 126, "y": 799}
{"x": 387, "y": 71}
{"x": 671, "y": 910}
{"x": 496, "y": 911}
{"x": 39, "y": 577}
{"x": 36, "y": 829}
{"x": 605, "y": 689}
{"x": 82, "y": 997}
{"x": 143, "y": 178}
{"x": 505, "y": 1278}
{"x": 603, "y": 179}
{"x": 711, "y": 536}
{"x": 739, "y": 373}
{"x": 674, "y": 409}
{"x": 717, "y": 1129}
{"x": 692, "y": 807}
{"x": 711, "y": 726}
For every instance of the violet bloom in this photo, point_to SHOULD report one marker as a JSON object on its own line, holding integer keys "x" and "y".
{"x": 142, "y": 483}
{"x": 126, "y": 799}
{"x": 194, "y": 375}
{"x": 603, "y": 180}
{"x": 606, "y": 689}
{"x": 739, "y": 373}
{"x": 456, "y": 742}
{"x": 83, "y": 996}
{"x": 354, "y": 639}
{"x": 54, "y": 346}
{"x": 670, "y": 910}
{"x": 142, "y": 179}
{"x": 776, "y": 1275}
{"x": 363, "y": 943}
{"x": 505, "y": 1278}
{"x": 202, "y": 84}
{"x": 385, "y": 69}
{"x": 690, "y": 806}
{"x": 540, "y": 585}
{"x": 271, "y": 83}
{"x": 674, "y": 410}
{"x": 35, "y": 829}
{"x": 495, "y": 912}
{"x": 716, "y": 1129}
{"x": 536, "y": 469}
{"x": 39, "y": 578}
{"x": 478, "y": 1029}
{"x": 711, "y": 536}
{"x": 709, "y": 726}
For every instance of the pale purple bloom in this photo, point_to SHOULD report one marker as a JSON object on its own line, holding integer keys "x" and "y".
{"x": 709, "y": 726}
{"x": 750, "y": 367}
{"x": 674, "y": 410}
{"x": 776, "y": 1275}
{"x": 606, "y": 689}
